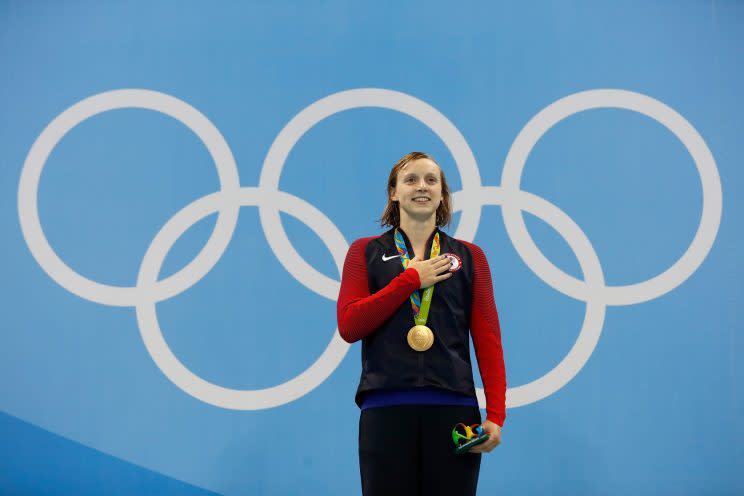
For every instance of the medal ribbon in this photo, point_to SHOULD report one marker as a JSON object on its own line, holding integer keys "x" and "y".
{"x": 419, "y": 304}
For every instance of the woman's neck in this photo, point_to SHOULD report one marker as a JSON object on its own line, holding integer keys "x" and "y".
{"x": 418, "y": 232}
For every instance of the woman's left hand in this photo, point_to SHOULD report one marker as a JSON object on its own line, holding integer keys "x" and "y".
{"x": 494, "y": 438}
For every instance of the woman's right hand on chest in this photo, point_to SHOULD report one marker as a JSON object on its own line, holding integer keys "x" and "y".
{"x": 431, "y": 271}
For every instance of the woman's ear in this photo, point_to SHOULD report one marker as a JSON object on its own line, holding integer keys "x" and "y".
{"x": 393, "y": 196}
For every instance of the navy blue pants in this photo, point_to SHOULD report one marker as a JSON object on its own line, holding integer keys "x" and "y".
{"x": 408, "y": 450}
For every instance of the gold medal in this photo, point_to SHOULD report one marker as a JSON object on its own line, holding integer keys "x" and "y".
{"x": 420, "y": 338}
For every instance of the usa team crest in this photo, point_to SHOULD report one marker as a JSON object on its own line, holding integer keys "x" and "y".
{"x": 455, "y": 261}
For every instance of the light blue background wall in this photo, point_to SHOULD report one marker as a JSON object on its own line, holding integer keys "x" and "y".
{"x": 656, "y": 409}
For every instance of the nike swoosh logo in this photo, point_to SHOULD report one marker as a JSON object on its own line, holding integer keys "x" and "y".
{"x": 385, "y": 259}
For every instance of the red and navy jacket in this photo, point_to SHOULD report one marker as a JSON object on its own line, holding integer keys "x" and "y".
{"x": 374, "y": 306}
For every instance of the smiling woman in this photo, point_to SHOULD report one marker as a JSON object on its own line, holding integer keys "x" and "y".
{"x": 414, "y": 168}
{"x": 417, "y": 380}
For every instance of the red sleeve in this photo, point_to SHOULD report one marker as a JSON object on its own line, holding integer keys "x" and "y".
{"x": 484, "y": 327}
{"x": 358, "y": 312}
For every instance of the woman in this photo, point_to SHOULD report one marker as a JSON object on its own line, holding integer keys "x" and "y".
{"x": 417, "y": 380}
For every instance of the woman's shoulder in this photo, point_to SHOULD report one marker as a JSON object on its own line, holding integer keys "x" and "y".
{"x": 472, "y": 247}
{"x": 360, "y": 244}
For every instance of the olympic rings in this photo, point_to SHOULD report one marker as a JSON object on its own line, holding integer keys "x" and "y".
{"x": 270, "y": 201}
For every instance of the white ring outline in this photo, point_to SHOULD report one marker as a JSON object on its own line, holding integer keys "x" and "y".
{"x": 172, "y": 368}
{"x": 349, "y": 100}
{"x": 710, "y": 219}
{"x": 591, "y": 328}
{"x": 28, "y": 189}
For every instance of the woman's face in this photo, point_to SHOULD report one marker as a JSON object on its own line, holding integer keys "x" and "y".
{"x": 418, "y": 189}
